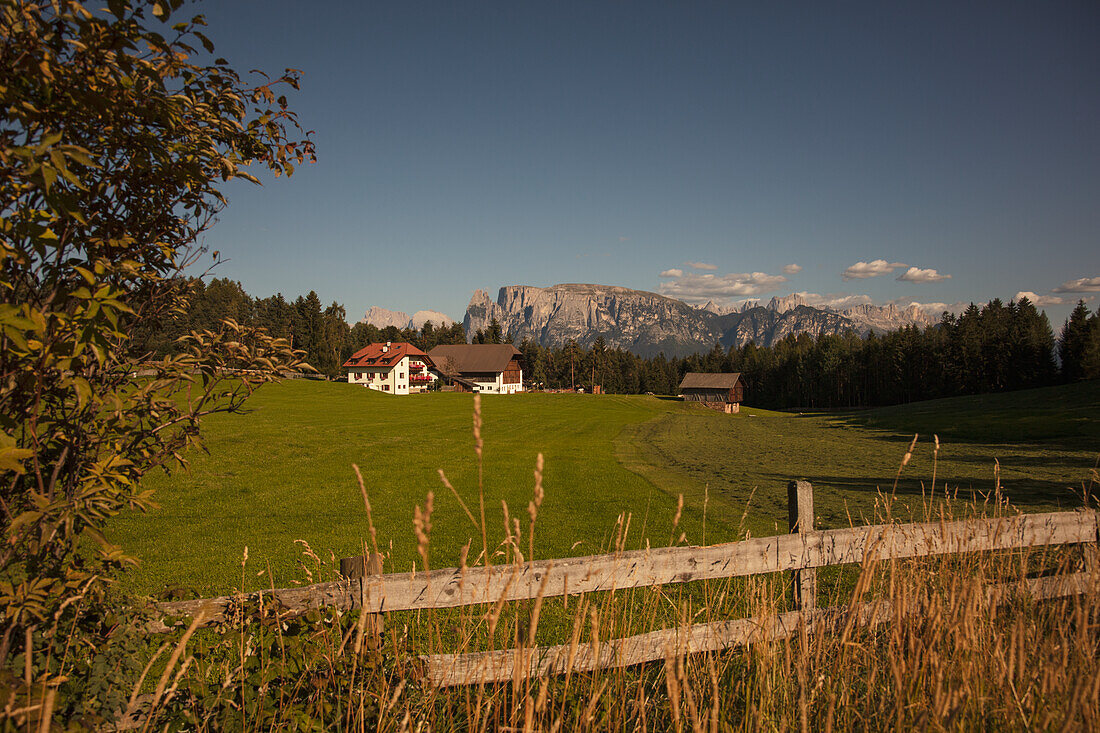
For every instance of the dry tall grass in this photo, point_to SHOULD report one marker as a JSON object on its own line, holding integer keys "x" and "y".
{"x": 913, "y": 644}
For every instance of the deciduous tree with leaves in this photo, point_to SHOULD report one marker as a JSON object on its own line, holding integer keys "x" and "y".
{"x": 116, "y": 139}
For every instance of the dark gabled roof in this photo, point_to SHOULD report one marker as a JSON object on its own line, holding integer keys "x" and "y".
{"x": 475, "y": 358}
{"x": 702, "y": 380}
{"x": 374, "y": 355}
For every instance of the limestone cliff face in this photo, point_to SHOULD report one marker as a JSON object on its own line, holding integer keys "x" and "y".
{"x": 647, "y": 323}
{"x": 438, "y": 319}
{"x": 642, "y": 322}
{"x": 883, "y": 318}
{"x": 382, "y": 317}
{"x": 786, "y": 303}
{"x": 764, "y": 325}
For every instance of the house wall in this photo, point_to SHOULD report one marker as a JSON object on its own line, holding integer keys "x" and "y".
{"x": 509, "y": 381}
{"x": 487, "y": 383}
{"x": 393, "y": 379}
{"x": 419, "y": 385}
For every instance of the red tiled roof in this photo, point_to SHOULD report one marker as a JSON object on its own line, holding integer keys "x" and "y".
{"x": 382, "y": 355}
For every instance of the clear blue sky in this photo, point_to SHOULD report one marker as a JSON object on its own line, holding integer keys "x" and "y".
{"x": 467, "y": 145}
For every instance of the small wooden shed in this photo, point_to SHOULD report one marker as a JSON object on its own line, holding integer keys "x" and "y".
{"x": 721, "y": 391}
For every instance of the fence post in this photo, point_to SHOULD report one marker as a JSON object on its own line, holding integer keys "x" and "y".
{"x": 1092, "y": 551}
{"x": 800, "y": 509}
{"x": 361, "y": 568}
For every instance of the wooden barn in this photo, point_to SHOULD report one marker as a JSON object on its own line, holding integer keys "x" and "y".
{"x": 718, "y": 391}
{"x": 486, "y": 368}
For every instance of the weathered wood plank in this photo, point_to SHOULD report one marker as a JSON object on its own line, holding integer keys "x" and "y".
{"x": 366, "y": 569}
{"x": 1044, "y": 588}
{"x": 448, "y": 670}
{"x": 343, "y": 594}
{"x": 800, "y": 511}
{"x": 453, "y": 587}
{"x": 460, "y": 587}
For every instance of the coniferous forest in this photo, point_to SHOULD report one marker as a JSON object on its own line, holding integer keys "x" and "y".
{"x": 997, "y": 347}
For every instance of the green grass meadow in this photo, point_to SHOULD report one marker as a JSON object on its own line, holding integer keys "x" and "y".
{"x": 1044, "y": 443}
{"x": 282, "y": 472}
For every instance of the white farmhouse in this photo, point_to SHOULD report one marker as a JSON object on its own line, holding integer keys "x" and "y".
{"x": 392, "y": 367}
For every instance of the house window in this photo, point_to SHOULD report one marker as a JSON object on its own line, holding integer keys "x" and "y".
{"x": 386, "y": 388}
{"x": 401, "y": 375}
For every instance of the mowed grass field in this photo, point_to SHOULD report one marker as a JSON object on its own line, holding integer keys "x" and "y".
{"x": 1045, "y": 444}
{"x": 282, "y": 472}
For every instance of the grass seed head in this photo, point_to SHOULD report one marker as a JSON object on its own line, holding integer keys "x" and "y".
{"x": 478, "y": 444}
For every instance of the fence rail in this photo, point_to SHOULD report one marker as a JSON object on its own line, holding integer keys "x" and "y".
{"x": 448, "y": 670}
{"x": 467, "y": 586}
{"x": 801, "y": 553}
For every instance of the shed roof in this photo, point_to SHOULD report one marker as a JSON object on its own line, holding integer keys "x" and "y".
{"x": 475, "y": 358}
{"x": 703, "y": 380}
{"x": 386, "y": 354}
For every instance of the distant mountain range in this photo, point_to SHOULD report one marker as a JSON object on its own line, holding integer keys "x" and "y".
{"x": 382, "y": 318}
{"x": 647, "y": 323}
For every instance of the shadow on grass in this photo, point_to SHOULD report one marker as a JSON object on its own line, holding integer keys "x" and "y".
{"x": 1023, "y": 461}
{"x": 1023, "y": 492}
{"x": 1065, "y": 416}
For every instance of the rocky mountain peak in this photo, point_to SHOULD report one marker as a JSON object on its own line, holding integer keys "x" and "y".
{"x": 883, "y": 318}
{"x": 383, "y": 317}
{"x": 438, "y": 319}
{"x": 719, "y": 310}
{"x": 786, "y": 303}
{"x": 649, "y": 323}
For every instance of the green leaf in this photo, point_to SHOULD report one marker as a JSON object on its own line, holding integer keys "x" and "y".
{"x": 49, "y": 175}
{"x": 80, "y": 155}
{"x": 49, "y": 140}
{"x": 83, "y": 390}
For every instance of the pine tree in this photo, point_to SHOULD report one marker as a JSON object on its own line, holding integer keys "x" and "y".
{"x": 1073, "y": 344}
{"x": 494, "y": 334}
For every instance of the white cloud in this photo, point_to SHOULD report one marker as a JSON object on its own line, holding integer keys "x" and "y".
{"x": 696, "y": 288}
{"x": 917, "y": 275}
{"x": 1039, "y": 300}
{"x": 874, "y": 268}
{"x": 701, "y": 265}
{"x": 674, "y": 272}
{"x": 1080, "y": 285}
{"x": 792, "y": 269}
{"x": 935, "y": 310}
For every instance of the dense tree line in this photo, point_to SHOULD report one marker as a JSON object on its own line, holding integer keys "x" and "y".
{"x": 322, "y": 332}
{"x": 993, "y": 348}
{"x": 1079, "y": 345}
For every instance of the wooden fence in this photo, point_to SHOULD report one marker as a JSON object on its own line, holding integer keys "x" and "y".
{"x": 801, "y": 552}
